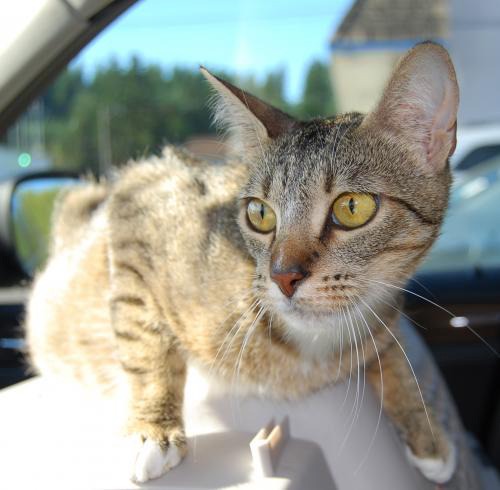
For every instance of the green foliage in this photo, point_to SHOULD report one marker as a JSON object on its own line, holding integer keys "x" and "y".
{"x": 271, "y": 89}
{"x": 60, "y": 96}
{"x": 129, "y": 112}
{"x": 123, "y": 114}
{"x": 31, "y": 225}
{"x": 317, "y": 99}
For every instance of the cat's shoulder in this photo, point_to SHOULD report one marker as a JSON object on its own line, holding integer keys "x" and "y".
{"x": 176, "y": 166}
{"x": 139, "y": 174}
{"x": 173, "y": 180}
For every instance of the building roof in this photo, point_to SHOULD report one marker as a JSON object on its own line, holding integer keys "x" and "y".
{"x": 391, "y": 20}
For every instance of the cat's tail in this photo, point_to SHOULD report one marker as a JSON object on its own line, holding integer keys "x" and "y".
{"x": 73, "y": 211}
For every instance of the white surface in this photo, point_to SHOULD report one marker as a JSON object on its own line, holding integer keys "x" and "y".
{"x": 267, "y": 448}
{"x": 327, "y": 418}
{"x": 56, "y": 437}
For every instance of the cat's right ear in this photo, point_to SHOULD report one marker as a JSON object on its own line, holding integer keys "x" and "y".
{"x": 419, "y": 106}
{"x": 251, "y": 123}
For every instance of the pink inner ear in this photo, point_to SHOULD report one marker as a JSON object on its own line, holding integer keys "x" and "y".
{"x": 442, "y": 141}
{"x": 420, "y": 105}
{"x": 453, "y": 135}
{"x": 446, "y": 113}
{"x": 441, "y": 145}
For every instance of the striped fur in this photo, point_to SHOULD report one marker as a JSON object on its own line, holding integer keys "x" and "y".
{"x": 166, "y": 267}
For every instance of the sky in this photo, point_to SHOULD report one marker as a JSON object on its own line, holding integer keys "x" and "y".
{"x": 237, "y": 36}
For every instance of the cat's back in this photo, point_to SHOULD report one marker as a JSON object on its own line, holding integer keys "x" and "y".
{"x": 165, "y": 212}
{"x": 66, "y": 311}
{"x": 176, "y": 213}
{"x": 174, "y": 186}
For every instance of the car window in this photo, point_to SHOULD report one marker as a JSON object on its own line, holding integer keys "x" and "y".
{"x": 470, "y": 236}
{"x": 137, "y": 86}
{"x": 477, "y": 156}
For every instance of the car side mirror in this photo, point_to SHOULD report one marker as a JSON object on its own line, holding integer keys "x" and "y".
{"x": 26, "y": 205}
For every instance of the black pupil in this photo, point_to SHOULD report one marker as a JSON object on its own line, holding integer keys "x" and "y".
{"x": 262, "y": 211}
{"x": 352, "y": 205}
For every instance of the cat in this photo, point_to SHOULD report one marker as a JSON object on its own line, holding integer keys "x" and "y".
{"x": 254, "y": 266}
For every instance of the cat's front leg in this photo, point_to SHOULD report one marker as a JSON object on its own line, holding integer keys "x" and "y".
{"x": 427, "y": 445}
{"x": 155, "y": 415}
{"x": 156, "y": 373}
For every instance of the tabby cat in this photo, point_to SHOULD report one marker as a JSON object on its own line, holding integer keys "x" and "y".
{"x": 254, "y": 266}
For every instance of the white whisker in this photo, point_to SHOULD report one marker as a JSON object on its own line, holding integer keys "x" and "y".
{"x": 356, "y": 399}
{"x": 340, "y": 351}
{"x": 246, "y": 339}
{"x": 407, "y": 360}
{"x": 237, "y": 325}
{"x": 358, "y": 329}
{"x": 269, "y": 326}
{"x": 381, "y": 391}
{"x": 441, "y": 308}
{"x": 350, "y": 367}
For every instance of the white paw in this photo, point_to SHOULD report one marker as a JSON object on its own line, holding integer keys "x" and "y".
{"x": 152, "y": 461}
{"x": 436, "y": 470}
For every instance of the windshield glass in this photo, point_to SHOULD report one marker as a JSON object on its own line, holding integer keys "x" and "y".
{"x": 470, "y": 236}
{"x": 137, "y": 87}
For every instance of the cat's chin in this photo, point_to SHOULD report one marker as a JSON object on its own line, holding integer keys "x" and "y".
{"x": 316, "y": 332}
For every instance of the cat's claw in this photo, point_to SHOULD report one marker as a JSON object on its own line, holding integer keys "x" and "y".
{"x": 152, "y": 461}
{"x": 434, "y": 469}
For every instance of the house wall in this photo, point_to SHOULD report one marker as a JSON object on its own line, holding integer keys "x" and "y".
{"x": 360, "y": 70}
{"x": 475, "y": 49}
{"x": 360, "y": 76}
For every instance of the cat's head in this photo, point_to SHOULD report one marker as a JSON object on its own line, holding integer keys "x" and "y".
{"x": 337, "y": 209}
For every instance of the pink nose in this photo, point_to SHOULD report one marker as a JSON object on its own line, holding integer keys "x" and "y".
{"x": 288, "y": 281}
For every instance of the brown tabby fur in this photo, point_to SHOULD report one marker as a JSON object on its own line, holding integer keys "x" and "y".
{"x": 160, "y": 266}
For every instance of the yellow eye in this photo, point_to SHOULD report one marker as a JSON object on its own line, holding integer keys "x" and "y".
{"x": 261, "y": 216}
{"x": 353, "y": 209}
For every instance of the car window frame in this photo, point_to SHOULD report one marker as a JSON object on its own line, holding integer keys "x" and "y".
{"x": 46, "y": 74}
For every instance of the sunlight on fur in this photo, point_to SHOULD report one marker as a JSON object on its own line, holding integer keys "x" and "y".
{"x": 170, "y": 266}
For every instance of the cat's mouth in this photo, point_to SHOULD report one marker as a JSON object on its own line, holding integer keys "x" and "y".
{"x": 320, "y": 301}
{"x": 316, "y": 307}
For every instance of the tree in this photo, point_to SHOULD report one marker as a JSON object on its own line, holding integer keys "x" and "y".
{"x": 126, "y": 113}
{"x": 130, "y": 112}
{"x": 272, "y": 90}
{"x": 59, "y": 97}
{"x": 317, "y": 98}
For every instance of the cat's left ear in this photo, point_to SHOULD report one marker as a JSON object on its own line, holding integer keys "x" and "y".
{"x": 419, "y": 105}
{"x": 251, "y": 122}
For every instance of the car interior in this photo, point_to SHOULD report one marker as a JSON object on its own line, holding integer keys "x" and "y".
{"x": 452, "y": 302}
